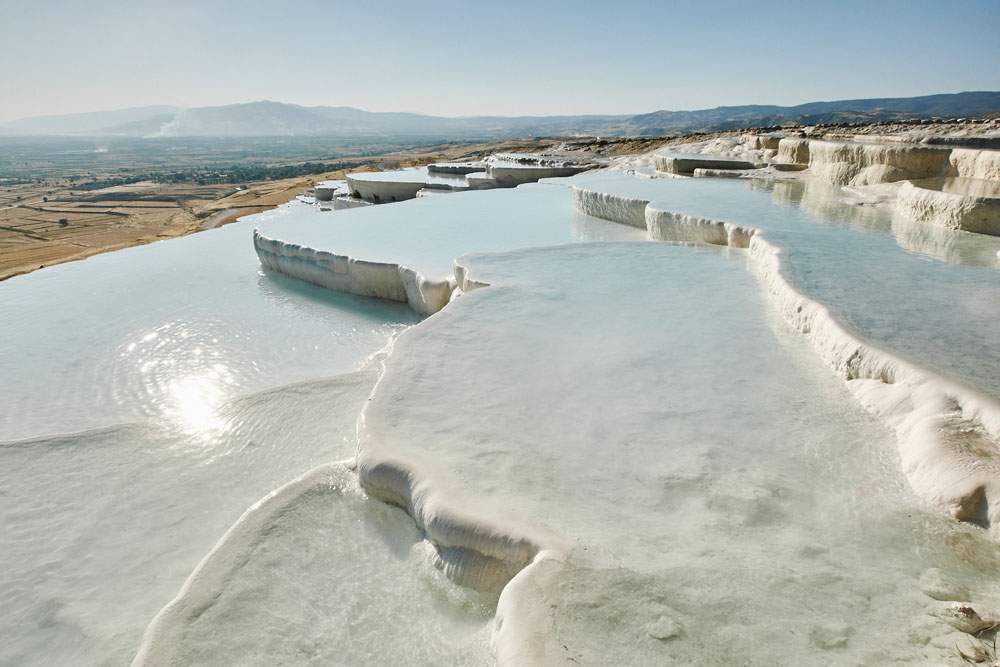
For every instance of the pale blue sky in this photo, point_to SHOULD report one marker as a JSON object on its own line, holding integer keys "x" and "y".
{"x": 507, "y": 57}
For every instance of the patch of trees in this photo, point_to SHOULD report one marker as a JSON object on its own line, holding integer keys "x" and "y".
{"x": 242, "y": 173}
{"x": 109, "y": 182}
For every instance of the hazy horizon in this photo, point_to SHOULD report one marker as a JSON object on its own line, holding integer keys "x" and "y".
{"x": 636, "y": 112}
{"x": 526, "y": 59}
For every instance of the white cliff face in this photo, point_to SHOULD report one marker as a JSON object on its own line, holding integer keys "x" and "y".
{"x": 969, "y": 163}
{"x": 380, "y": 280}
{"x": 623, "y": 210}
{"x": 792, "y": 150}
{"x": 843, "y": 163}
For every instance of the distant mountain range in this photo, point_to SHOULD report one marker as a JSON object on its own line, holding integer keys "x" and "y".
{"x": 272, "y": 119}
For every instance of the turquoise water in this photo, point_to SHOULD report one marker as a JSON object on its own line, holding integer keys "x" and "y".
{"x": 429, "y": 234}
{"x": 695, "y": 458}
{"x": 414, "y": 175}
{"x": 152, "y": 394}
{"x": 168, "y": 329}
{"x": 941, "y": 315}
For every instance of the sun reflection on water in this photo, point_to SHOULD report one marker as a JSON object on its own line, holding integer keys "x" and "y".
{"x": 194, "y": 402}
{"x": 184, "y": 377}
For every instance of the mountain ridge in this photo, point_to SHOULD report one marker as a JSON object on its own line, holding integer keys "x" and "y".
{"x": 270, "y": 118}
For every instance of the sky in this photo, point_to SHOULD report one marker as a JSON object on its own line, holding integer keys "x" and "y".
{"x": 505, "y": 57}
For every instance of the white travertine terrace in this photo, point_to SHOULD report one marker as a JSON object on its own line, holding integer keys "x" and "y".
{"x": 380, "y": 280}
{"x": 949, "y": 435}
{"x": 380, "y": 191}
{"x": 327, "y": 190}
{"x": 865, "y": 163}
{"x": 511, "y": 170}
{"x": 763, "y": 141}
{"x": 456, "y": 167}
{"x": 431, "y": 192}
{"x": 330, "y": 490}
{"x": 511, "y": 175}
{"x": 686, "y": 165}
{"x": 498, "y": 171}
{"x": 845, "y": 163}
{"x": 793, "y": 150}
{"x": 946, "y": 433}
{"x": 938, "y": 467}
{"x": 972, "y": 209}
